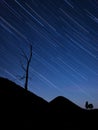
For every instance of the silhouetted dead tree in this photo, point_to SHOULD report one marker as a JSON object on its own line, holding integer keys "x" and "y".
{"x": 26, "y": 68}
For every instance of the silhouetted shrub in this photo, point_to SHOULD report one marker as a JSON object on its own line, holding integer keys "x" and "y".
{"x": 88, "y": 106}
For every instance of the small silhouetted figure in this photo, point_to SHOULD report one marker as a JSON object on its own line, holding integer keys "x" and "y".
{"x": 88, "y": 106}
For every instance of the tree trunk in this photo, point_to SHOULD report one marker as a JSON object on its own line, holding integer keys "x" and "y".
{"x": 26, "y": 80}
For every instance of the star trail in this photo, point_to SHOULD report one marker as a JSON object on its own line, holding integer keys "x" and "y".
{"x": 64, "y": 37}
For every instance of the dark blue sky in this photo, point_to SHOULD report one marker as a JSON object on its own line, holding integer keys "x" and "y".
{"x": 64, "y": 36}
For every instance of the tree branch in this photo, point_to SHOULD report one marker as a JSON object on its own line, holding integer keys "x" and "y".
{"x": 24, "y": 55}
{"x": 22, "y": 66}
{"x": 30, "y": 53}
{"x": 21, "y": 77}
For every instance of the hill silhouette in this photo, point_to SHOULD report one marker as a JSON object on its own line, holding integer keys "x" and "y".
{"x": 25, "y": 109}
{"x": 70, "y": 115}
{"x": 18, "y": 105}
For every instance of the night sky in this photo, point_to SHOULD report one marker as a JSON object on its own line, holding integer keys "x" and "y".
{"x": 64, "y": 37}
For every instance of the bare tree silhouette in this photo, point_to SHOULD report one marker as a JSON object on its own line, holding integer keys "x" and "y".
{"x": 26, "y": 68}
{"x": 88, "y": 106}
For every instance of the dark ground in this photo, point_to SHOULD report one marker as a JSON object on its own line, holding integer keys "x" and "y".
{"x": 22, "y": 109}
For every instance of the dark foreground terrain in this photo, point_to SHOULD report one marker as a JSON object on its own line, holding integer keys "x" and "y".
{"x": 22, "y": 109}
